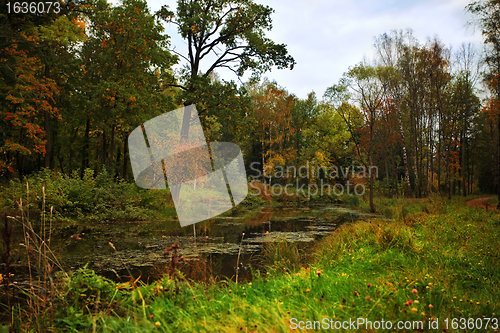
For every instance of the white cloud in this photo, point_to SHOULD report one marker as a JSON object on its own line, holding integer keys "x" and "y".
{"x": 326, "y": 37}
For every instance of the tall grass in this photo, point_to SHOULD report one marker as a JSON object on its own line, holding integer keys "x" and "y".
{"x": 42, "y": 265}
{"x": 281, "y": 256}
{"x": 52, "y": 299}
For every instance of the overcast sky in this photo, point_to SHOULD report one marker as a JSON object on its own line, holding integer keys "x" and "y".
{"x": 327, "y": 36}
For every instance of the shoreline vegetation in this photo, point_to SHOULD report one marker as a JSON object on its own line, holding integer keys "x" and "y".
{"x": 425, "y": 261}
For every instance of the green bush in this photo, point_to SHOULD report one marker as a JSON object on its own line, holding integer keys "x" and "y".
{"x": 87, "y": 291}
{"x": 84, "y": 292}
{"x": 91, "y": 197}
{"x": 353, "y": 201}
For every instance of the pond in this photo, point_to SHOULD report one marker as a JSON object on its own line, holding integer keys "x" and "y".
{"x": 211, "y": 250}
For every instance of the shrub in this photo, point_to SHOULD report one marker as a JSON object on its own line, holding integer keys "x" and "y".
{"x": 89, "y": 197}
{"x": 84, "y": 292}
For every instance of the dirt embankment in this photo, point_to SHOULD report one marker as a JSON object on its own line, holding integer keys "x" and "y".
{"x": 480, "y": 202}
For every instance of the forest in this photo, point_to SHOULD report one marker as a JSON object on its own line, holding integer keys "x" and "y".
{"x": 416, "y": 126}
{"x": 76, "y": 83}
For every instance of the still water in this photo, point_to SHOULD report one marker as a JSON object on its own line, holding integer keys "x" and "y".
{"x": 214, "y": 249}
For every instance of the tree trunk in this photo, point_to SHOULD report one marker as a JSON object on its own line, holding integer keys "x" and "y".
{"x": 447, "y": 174}
{"x": 59, "y": 159}
{"x": 19, "y": 157}
{"x": 262, "y": 166}
{"x": 372, "y": 205}
{"x": 389, "y": 192}
{"x": 118, "y": 160}
{"x": 470, "y": 168}
{"x": 20, "y": 165}
{"x": 464, "y": 191}
{"x": 46, "y": 128}
{"x": 395, "y": 173}
{"x": 71, "y": 149}
{"x": 86, "y": 147}
{"x": 431, "y": 169}
{"x": 111, "y": 149}
{"x": 430, "y": 173}
{"x": 439, "y": 152}
{"x": 125, "y": 161}
{"x": 370, "y": 159}
{"x": 415, "y": 167}
{"x": 48, "y": 146}
{"x": 408, "y": 191}
{"x": 104, "y": 149}
{"x": 498, "y": 158}
{"x": 498, "y": 128}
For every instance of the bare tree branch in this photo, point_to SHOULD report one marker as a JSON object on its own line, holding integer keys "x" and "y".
{"x": 221, "y": 58}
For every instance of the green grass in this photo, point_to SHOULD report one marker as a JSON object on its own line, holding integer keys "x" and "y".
{"x": 436, "y": 259}
{"x": 493, "y": 201}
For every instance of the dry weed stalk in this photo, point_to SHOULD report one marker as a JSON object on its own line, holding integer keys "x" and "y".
{"x": 175, "y": 259}
{"x": 238, "y": 260}
{"x": 42, "y": 262}
{"x": 5, "y": 279}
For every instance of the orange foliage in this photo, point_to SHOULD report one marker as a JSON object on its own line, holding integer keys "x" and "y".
{"x": 80, "y": 23}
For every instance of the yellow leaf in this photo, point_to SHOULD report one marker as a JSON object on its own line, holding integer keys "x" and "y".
{"x": 125, "y": 286}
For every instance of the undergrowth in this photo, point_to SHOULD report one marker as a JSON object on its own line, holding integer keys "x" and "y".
{"x": 92, "y": 197}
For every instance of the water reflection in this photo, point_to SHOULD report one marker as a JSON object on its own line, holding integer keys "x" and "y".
{"x": 210, "y": 254}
